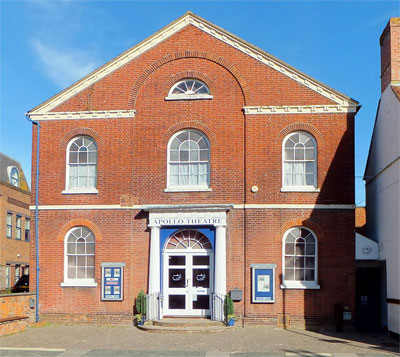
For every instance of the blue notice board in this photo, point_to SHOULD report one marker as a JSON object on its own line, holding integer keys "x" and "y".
{"x": 263, "y": 283}
{"x": 112, "y": 281}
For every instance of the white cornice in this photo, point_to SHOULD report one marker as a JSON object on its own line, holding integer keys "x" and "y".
{"x": 99, "y": 114}
{"x": 212, "y": 30}
{"x": 300, "y": 109}
{"x": 294, "y": 206}
{"x": 176, "y": 207}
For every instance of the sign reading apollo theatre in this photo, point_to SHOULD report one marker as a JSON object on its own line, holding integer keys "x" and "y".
{"x": 190, "y": 221}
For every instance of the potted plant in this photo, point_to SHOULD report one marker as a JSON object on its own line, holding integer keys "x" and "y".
{"x": 140, "y": 307}
{"x": 229, "y": 311}
{"x": 139, "y": 319}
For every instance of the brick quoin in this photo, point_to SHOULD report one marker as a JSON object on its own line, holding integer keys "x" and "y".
{"x": 245, "y": 151}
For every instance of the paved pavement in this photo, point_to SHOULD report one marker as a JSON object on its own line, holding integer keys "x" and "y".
{"x": 98, "y": 341}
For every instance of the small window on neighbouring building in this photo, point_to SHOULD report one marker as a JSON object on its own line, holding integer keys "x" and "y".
{"x": 17, "y": 272}
{"x": 9, "y": 225}
{"x": 27, "y": 229}
{"x": 189, "y": 89}
{"x": 18, "y": 227}
{"x": 8, "y": 270}
{"x": 25, "y": 270}
{"x": 14, "y": 177}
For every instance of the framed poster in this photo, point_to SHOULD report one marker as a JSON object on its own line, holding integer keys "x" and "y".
{"x": 112, "y": 281}
{"x": 263, "y": 283}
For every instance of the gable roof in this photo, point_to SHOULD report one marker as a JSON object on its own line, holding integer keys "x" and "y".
{"x": 191, "y": 19}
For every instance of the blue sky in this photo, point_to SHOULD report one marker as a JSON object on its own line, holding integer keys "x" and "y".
{"x": 48, "y": 45}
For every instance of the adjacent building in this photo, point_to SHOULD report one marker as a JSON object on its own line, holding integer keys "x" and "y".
{"x": 15, "y": 222}
{"x": 192, "y": 165}
{"x": 382, "y": 177}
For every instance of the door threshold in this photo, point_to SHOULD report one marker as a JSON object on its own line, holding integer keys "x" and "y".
{"x": 186, "y": 317}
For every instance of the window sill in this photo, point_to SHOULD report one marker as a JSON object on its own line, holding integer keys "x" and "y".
{"x": 188, "y": 189}
{"x": 298, "y": 285}
{"x": 79, "y": 284}
{"x": 299, "y": 189}
{"x": 189, "y": 97}
{"x": 80, "y": 192}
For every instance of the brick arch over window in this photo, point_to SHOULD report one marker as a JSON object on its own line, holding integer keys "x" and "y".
{"x": 300, "y": 127}
{"x": 189, "y": 54}
{"x": 190, "y": 125}
{"x": 82, "y": 131}
{"x": 186, "y": 74}
{"x": 79, "y": 222}
{"x": 306, "y": 223}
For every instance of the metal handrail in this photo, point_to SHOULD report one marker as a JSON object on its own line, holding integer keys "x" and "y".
{"x": 218, "y": 307}
{"x": 153, "y": 306}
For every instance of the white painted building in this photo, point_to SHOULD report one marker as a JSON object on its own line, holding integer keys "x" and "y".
{"x": 382, "y": 178}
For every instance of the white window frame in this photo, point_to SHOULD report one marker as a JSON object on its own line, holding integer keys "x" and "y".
{"x": 78, "y": 190}
{"x": 91, "y": 282}
{"x": 300, "y": 188}
{"x": 187, "y": 188}
{"x": 14, "y": 181}
{"x": 296, "y": 284}
{"x": 189, "y": 95}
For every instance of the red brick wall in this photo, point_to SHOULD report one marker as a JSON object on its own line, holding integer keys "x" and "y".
{"x": 246, "y": 150}
{"x": 15, "y": 305}
{"x": 390, "y": 53}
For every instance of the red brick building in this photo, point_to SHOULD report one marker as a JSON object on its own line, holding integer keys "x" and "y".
{"x": 15, "y": 223}
{"x": 194, "y": 164}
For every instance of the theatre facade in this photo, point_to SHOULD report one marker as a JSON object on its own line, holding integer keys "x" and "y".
{"x": 191, "y": 166}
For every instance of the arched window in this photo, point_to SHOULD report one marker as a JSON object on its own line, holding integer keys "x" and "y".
{"x": 14, "y": 177}
{"x": 299, "y": 161}
{"x": 300, "y": 258}
{"x": 188, "y": 239}
{"x": 189, "y": 88}
{"x": 79, "y": 257}
{"x": 189, "y": 161}
{"x": 81, "y": 164}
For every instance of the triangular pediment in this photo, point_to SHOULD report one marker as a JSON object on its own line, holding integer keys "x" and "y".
{"x": 191, "y": 19}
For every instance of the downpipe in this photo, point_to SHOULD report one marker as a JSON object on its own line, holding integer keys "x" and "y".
{"x": 37, "y": 214}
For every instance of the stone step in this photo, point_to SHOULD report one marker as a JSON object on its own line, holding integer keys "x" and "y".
{"x": 182, "y": 325}
{"x": 185, "y": 322}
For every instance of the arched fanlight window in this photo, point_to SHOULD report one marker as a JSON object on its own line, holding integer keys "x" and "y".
{"x": 299, "y": 257}
{"x": 189, "y": 88}
{"x": 81, "y": 163}
{"x": 79, "y": 258}
{"x": 14, "y": 177}
{"x": 188, "y": 239}
{"x": 189, "y": 161}
{"x": 299, "y": 161}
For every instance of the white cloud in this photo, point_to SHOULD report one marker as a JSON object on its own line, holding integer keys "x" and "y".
{"x": 63, "y": 66}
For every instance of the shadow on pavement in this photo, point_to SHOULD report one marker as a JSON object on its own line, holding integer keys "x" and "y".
{"x": 381, "y": 342}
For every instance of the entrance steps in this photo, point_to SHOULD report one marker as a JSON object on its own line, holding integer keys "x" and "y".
{"x": 183, "y": 325}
